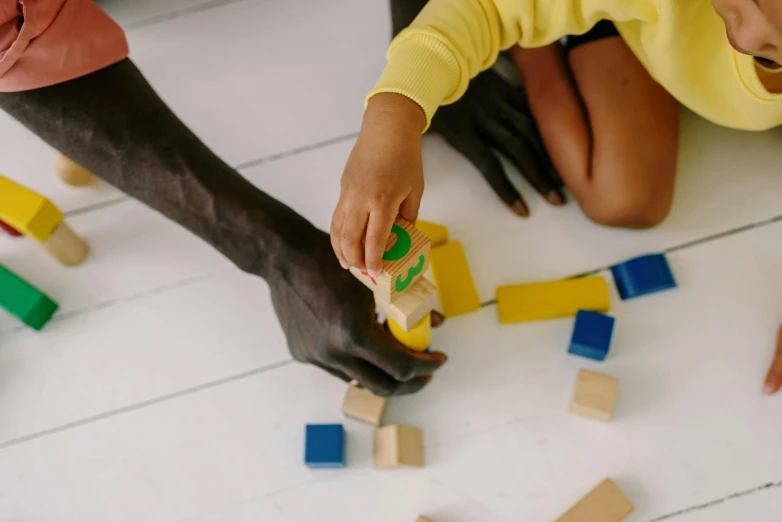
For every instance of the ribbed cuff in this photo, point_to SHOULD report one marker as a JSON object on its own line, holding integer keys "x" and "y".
{"x": 422, "y": 68}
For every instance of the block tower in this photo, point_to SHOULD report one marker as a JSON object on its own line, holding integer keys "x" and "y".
{"x": 401, "y": 290}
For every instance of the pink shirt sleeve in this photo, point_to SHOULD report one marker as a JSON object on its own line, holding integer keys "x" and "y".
{"x": 44, "y": 42}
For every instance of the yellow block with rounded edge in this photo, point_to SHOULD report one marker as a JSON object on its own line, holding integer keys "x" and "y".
{"x": 27, "y": 211}
{"x": 453, "y": 279}
{"x": 418, "y": 338}
{"x": 437, "y": 234}
{"x": 552, "y": 299}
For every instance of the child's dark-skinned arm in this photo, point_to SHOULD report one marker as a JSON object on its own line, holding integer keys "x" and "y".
{"x": 114, "y": 124}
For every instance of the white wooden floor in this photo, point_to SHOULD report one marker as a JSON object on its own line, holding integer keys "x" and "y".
{"x": 163, "y": 390}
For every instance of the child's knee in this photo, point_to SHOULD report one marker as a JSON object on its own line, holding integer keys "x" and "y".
{"x": 628, "y": 208}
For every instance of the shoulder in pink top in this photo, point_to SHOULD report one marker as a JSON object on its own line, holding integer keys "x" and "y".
{"x": 44, "y": 42}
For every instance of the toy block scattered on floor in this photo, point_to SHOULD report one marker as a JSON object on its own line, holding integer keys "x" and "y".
{"x": 24, "y": 301}
{"x": 591, "y": 335}
{"x": 397, "y": 446}
{"x": 605, "y": 503}
{"x": 35, "y": 216}
{"x": 552, "y": 299}
{"x": 453, "y": 280}
{"x": 412, "y": 305}
{"x": 422, "y": 519}
{"x": 437, "y": 234}
{"x": 361, "y": 404}
{"x": 404, "y": 262}
{"x": 11, "y": 231}
{"x": 72, "y": 173}
{"x": 418, "y": 338}
{"x": 594, "y": 395}
{"x": 643, "y": 275}
{"x": 324, "y": 446}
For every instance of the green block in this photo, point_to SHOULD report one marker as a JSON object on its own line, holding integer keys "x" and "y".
{"x": 25, "y": 301}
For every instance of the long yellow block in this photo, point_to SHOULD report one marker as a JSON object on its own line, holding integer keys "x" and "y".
{"x": 453, "y": 279}
{"x": 28, "y": 212}
{"x": 418, "y": 338}
{"x": 548, "y": 300}
{"x": 437, "y": 234}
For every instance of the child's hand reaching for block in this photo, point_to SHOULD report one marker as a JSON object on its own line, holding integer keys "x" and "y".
{"x": 383, "y": 178}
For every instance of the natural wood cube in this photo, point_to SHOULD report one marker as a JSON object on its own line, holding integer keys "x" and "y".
{"x": 594, "y": 395}
{"x": 605, "y": 503}
{"x": 423, "y": 519}
{"x": 361, "y": 404}
{"x": 410, "y": 307}
{"x": 72, "y": 173}
{"x": 404, "y": 262}
{"x": 398, "y": 445}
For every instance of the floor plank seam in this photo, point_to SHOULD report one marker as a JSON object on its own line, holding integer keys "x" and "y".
{"x": 144, "y": 404}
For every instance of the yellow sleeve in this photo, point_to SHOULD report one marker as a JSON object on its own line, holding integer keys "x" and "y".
{"x": 451, "y": 41}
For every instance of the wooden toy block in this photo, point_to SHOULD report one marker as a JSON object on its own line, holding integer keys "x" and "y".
{"x": 605, "y": 503}
{"x": 423, "y": 519}
{"x": 404, "y": 262}
{"x": 25, "y": 301}
{"x": 65, "y": 246}
{"x": 643, "y": 275}
{"x": 551, "y": 299}
{"x": 453, "y": 280}
{"x": 11, "y": 231}
{"x": 398, "y": 445}
{"x": 594, "y": 396}
{"x": 324, "y": 446}
{"x": 72, "y": 173}
{"x": 437, "y": 234}
{"x": 418, "y": 338}
{"x": 361, "y": 404}
{"x": 591, "y": 335}
{"x": 29, "y": 213}
{"x": 412, "y": 305}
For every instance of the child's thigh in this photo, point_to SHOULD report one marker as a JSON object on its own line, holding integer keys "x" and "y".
{"x": 633, "y": 126}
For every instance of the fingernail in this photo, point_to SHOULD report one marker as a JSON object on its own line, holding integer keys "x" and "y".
{"x": 555, "y": 198}
{"x": 769, "y": 388}
{"x": 344, "y": 264}
{"x": 372, "y": 273}
{"x": 520, "y": 208}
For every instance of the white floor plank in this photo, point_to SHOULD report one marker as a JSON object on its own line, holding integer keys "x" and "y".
{"x": 691, "y": 424}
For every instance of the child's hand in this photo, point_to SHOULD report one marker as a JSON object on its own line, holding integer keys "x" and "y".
{"x": 383, "y": 178}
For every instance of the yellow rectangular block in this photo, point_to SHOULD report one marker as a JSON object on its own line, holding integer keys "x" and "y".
{"x": 605, "y": 503}
{"x": 437, "y": 234}
{"x": 552, "y": 299}
{"x": 418, "y": 338}
{"x": 412, "y": 305}
{"x": 454, "y": 280}
{"x": 28, "y": 212}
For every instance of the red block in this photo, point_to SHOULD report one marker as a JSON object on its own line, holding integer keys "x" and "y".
{"x": 11, "y": 230}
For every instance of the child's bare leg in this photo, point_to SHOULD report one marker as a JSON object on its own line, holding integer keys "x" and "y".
{"x": 610, "y": 129}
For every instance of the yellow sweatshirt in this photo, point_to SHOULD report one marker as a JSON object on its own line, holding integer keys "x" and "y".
{"x": 682, "y": 43}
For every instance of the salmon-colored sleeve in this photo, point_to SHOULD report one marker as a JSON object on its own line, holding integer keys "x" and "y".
{"x": 44, "y": 42}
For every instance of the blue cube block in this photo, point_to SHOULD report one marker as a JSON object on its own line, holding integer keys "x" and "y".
{"x": 591, "y": 335}
{"x": 643, "y": 275}
{"x": 324, "y": 446}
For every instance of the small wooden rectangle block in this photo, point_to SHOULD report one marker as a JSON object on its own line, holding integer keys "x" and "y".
{"x": 404, "y": 262}
{"x": 361, "y": 404}
{"x": 437, "y": 234}
{"x": 398, "y": 446}
{"x": 594, "y": 395}
{"x": 454, "y": 280}
{"x": 605, "y": 503}
{"x": 26, "y": 211}
{"x": 423, "y": 519}
{"x": 24, "y": 301}
{"x": 418, "y": 338}
{"x": 552, "y": 299}
{"x": 412, "y": 305}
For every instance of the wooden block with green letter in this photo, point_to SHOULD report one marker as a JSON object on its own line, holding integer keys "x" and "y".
{"x": 454, "y": 280}
{"x": 25, "y": 301}
{"x": 437, "y": 234}
{"x": 404, "y": 262}
{"x": 552, "y": 299}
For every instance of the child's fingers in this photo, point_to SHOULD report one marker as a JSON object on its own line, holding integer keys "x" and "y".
{"x": 353, "y": 229}
{"x": 774, "y": 377}
{"x": 410, "y": 206}
{"x": 336, "y": 236}
{"x": 378, "y": 231}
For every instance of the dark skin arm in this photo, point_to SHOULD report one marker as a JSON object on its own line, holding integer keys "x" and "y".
{"x": 492, "y": 114}
{"x": 112, "y": 123}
